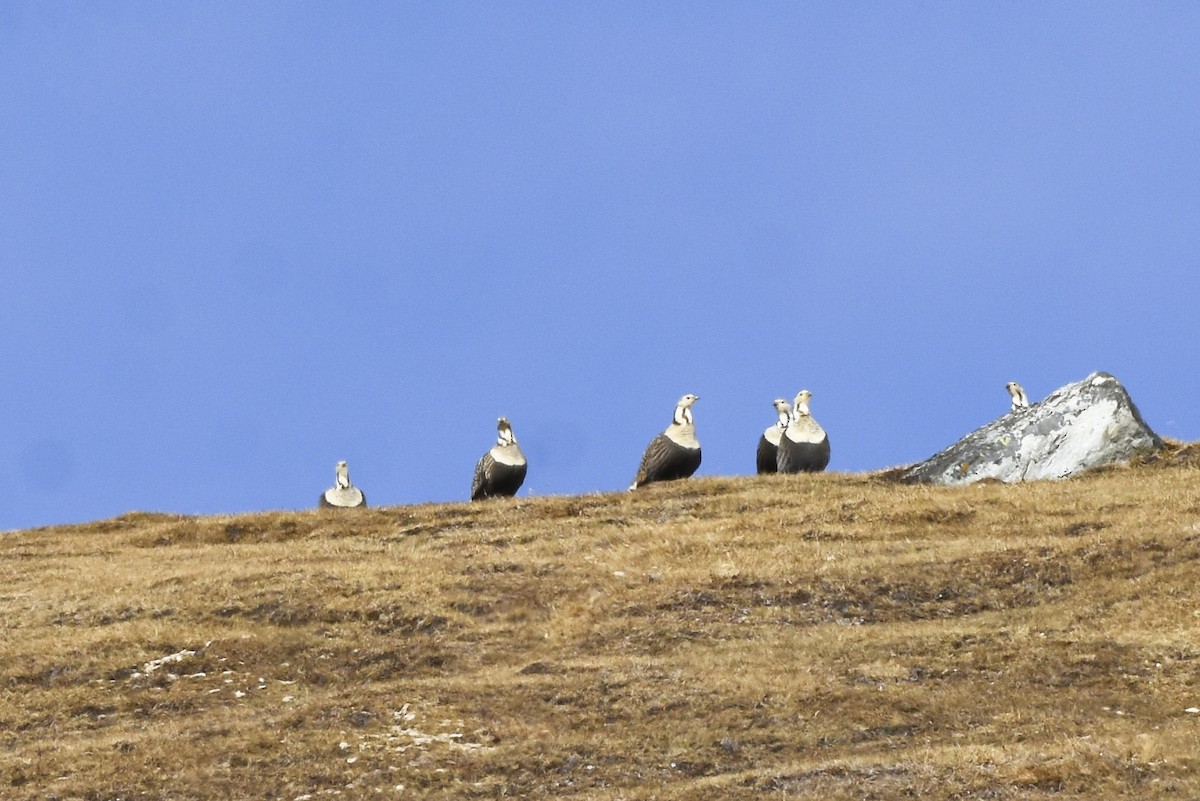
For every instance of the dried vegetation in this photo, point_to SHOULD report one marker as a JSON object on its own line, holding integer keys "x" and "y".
{"x": 825, "y": 637}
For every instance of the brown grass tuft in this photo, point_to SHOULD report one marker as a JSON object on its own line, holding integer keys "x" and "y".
{"x": 825, "y": 637}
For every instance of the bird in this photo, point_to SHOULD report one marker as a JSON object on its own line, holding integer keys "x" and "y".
{"x": 1019, "y": 399}
{"x": 768, "y": 443}
{"x": 500, "y": 471}
{"x": 804, "y": 446}
{"x": 343, "y": 494}
{"x": 673, "y": 454}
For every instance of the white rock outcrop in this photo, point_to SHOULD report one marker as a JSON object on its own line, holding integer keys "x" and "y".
{"x": 1087, "y": 424}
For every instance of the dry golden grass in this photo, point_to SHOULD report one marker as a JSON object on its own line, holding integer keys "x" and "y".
{"x": 824, "y": 637}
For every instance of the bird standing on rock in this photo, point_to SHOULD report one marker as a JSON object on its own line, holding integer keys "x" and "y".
{"x": 673, "y": 454}
{"x": 1019, "y": 399}
{"x": 804, "y": 446}
{"x": 768, "y": 443}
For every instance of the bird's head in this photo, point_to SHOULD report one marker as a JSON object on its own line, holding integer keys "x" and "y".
{"x": 801, "y": 402}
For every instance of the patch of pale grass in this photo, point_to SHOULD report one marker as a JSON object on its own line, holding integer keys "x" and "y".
{"x": 826, "y": 636}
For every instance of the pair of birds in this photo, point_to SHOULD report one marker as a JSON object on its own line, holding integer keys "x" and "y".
{"x": 673, "y": 454}
{"x": 796, "y": 443}
{"x": 500, "y": 472}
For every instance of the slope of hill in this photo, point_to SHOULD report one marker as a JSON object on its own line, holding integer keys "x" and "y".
{"x": 824, "y": 637}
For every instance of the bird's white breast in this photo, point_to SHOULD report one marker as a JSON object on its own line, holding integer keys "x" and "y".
{"x": 805, "y": 429}
{"x": 683, "y": 435}
{"x": 508, "y": 455}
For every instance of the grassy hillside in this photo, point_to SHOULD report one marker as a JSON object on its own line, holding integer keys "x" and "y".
{"x": 823, "y": 637}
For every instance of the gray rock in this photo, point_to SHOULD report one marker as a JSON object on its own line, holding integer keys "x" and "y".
{"x": 1087, "y": 424}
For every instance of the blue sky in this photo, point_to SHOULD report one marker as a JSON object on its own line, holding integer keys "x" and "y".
{"x": 241, "y": 241}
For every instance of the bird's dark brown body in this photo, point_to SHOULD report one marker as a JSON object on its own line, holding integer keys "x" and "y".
{"x": 666, "y": 460}
{"x": 766, "y": 460}
{"x": 802, "y": 457}
{"x": 493, "y": 479}
{"x": 673, "y": 454}
{"x": 501, "y": 471}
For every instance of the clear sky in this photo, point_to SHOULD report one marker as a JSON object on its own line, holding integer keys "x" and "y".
{"x": 241, "y": 241}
